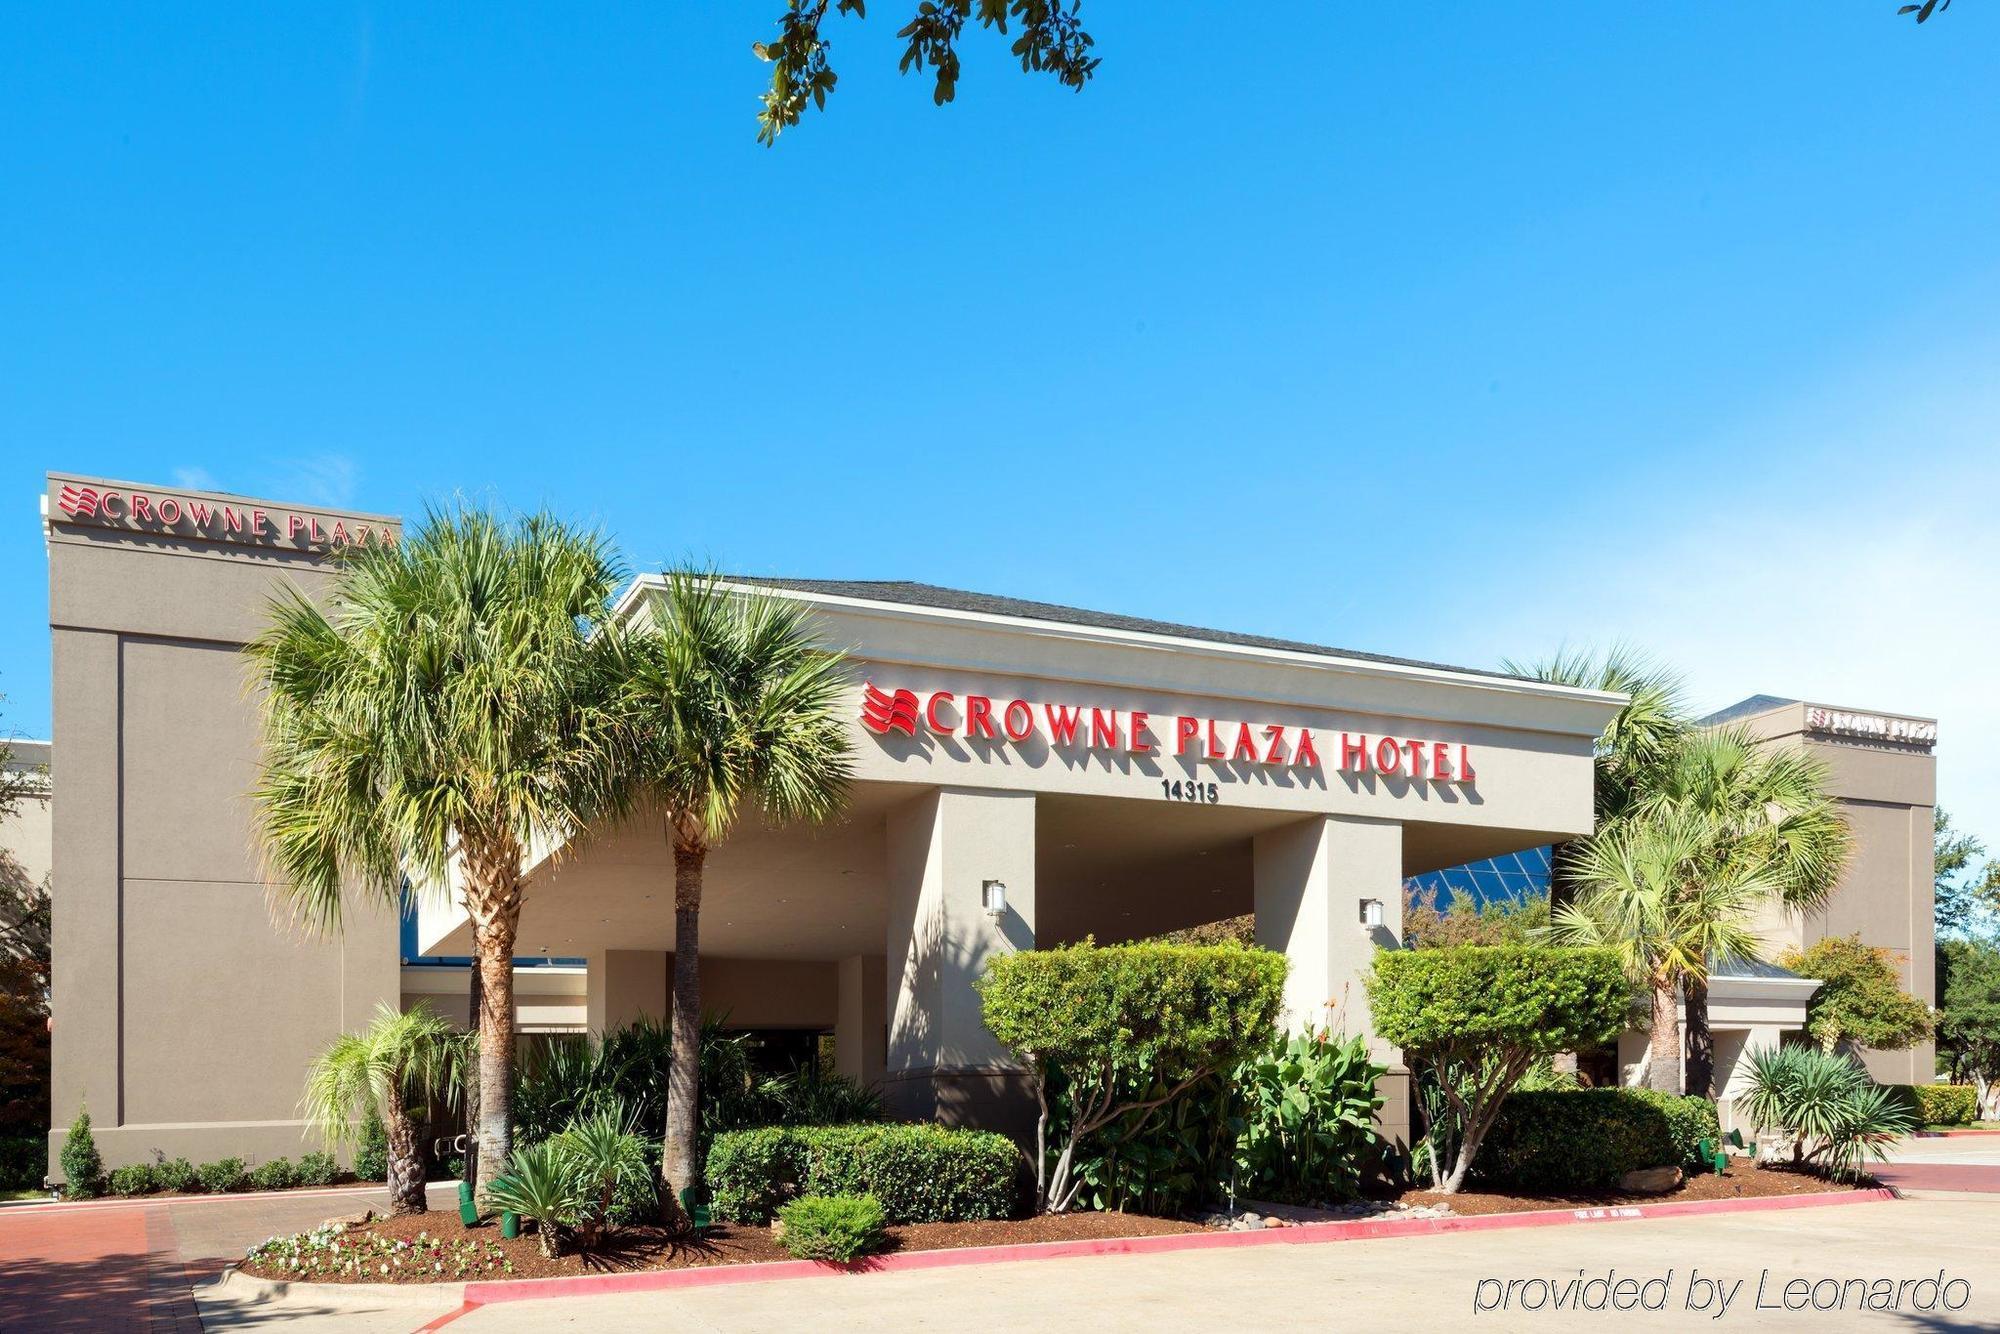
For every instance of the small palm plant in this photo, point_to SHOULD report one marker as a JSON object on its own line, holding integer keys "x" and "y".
{"x": 602, "y": 1157}
{"x": 539, "y": 1185}
{"x": 1839, "y": 1120}
{"x": 397, "y": 1064}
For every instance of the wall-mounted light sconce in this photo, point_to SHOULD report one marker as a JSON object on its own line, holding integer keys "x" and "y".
{"x": 993, "y": 898}
{"x": 1371, "y": 912}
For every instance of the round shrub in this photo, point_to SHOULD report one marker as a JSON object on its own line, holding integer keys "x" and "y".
{"x": 920, "y": 1173}
{"x": 278, "y": 1174}
{"x": 836, "y": 1228}
{"x": 133, "y": 1179}
{"x": 317, "y": 1169}
{"x": 177, "y": 1176}
{"x": 223, "y": 1177}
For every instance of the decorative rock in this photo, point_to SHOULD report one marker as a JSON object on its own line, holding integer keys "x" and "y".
{"x": 1651, "y": 1180}
{"x": 362, "y": 1219}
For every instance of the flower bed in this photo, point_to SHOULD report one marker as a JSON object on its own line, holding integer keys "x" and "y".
{"x": 336, "y": 1253}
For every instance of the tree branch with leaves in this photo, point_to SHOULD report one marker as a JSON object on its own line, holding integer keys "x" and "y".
{"x": 1051, "y": 40}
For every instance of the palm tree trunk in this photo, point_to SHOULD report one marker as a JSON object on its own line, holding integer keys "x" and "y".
{"x": 677, "y": 1164}
{"x": 1700, "y": 1039}
{"x": 1663, "y": 1063}
{"x": 493, "y": 898}
{"x": 406, "y": 1164}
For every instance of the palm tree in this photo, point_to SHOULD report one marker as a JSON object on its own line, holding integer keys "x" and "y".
{"x": 736, "y": 704}
{"x": 1764, "y": 812}
{"x": 395, "y": 1065}
{"x": 1645, "y": 892}
{"x": 446, "y": 713}
{"x": 1644, "y": 732}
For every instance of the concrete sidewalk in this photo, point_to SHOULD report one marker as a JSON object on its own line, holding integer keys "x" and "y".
{"x": 1425, "y": 1281}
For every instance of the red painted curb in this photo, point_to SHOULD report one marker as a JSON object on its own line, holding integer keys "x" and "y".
{"x": 1948, "y": 1134}
{"x": 486, "y": 1293}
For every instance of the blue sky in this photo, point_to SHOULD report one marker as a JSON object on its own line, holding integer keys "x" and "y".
{"x": 1451, "y": 331}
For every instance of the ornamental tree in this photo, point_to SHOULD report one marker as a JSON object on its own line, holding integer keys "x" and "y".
{"x": 1086, "y": 1015}
{"x": 1968, "y": 1021}
{"x": 1860, "y": 999}
{"x": 1474, "y": 1018}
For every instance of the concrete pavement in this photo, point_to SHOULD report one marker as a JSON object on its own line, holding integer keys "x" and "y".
{"x": 1433, "y": 1281}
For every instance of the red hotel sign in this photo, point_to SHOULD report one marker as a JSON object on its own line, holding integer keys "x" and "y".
{"x": 147, "y": 511}
{"x": 1134, "y": 732}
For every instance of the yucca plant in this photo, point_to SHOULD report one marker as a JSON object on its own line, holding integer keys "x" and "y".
{"x": 401, "y": 1061}
{"x": 540, "y": 1185}
{"x": 602, "y": 1156}
{"x": 1839, "y": 1120}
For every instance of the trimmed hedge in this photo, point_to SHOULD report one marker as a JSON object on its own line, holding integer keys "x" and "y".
{"x": 1938, "y": 1104}
{"x": 921, "y": 1173}
{"x": 1586, "y": 1139}
{"x": 133, "y": 1179}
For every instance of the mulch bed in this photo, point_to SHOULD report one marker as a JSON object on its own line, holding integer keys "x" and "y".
{"x": 731, "y": 1244}
{"x": 1744, "y": 1180}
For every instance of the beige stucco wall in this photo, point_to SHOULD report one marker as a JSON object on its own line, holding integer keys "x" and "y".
{"x": 1887, "y": 792}
{"x": 184, "y": 1013}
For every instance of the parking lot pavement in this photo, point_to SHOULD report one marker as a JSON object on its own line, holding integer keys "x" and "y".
{"x": 128, "y": 1264}
{"x": 1430, "y": 1282}
{"x": 1949, "y": 1165}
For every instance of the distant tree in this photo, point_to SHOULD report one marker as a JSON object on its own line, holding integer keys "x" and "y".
{"x": 1968, "y": 1023}
{"x": 1052, "y": 40}
{"x": 1967, "y": 885}
{"x": 24, "y": 971}
{"x": 1860, "y": 999}
{"x": 1515, "y": 921}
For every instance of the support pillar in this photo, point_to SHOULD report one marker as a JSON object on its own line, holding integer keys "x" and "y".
{"x": 944, "y": 848}
{"x": 1313, "y": 878}
{"x": 622, "y": 985}
{"x": 861, "y": 1024}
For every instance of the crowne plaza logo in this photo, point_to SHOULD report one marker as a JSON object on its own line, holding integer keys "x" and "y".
{"x": 77, "y": 501}
{"x": 883, "y": 713}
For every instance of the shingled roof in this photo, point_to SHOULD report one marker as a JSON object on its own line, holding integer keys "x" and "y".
{"x": 988, "y": 604}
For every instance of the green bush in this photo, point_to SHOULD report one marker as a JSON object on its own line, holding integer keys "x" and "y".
{"x": 837, "y": 1228}
{"x": 1082, "y": 1018}
{"x": 318, "y": 1169}
{"x": 177, "y": 1177}
{"x": 1305, "y": 1112}
{"x": 24, "y": 1161}
{"x": 371, "y": 1156}
{"x": 83, "y": 1168}
{"x": 278, "y": 1174}
{"x": 1474, "y": 1019}
{"x": 223, "y": 1177}
{"x": 920, "y": 1173}
{"x": 1938, "y": 1104}
{"x": 133, "y": 1179}
{"x": 1561, "y": 1140}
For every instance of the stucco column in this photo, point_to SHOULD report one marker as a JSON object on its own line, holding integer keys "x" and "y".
{"x": 622, "y": 985}
{"x": 1312, "y": 878}
{"x": 861, "y": 1024}
{"x": 944, "y": 848}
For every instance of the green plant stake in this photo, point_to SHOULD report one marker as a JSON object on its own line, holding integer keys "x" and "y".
{"x": 510, "y": 1224}
{"x": 468, "y": 1212}
{"x": 696, "y": 1211}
